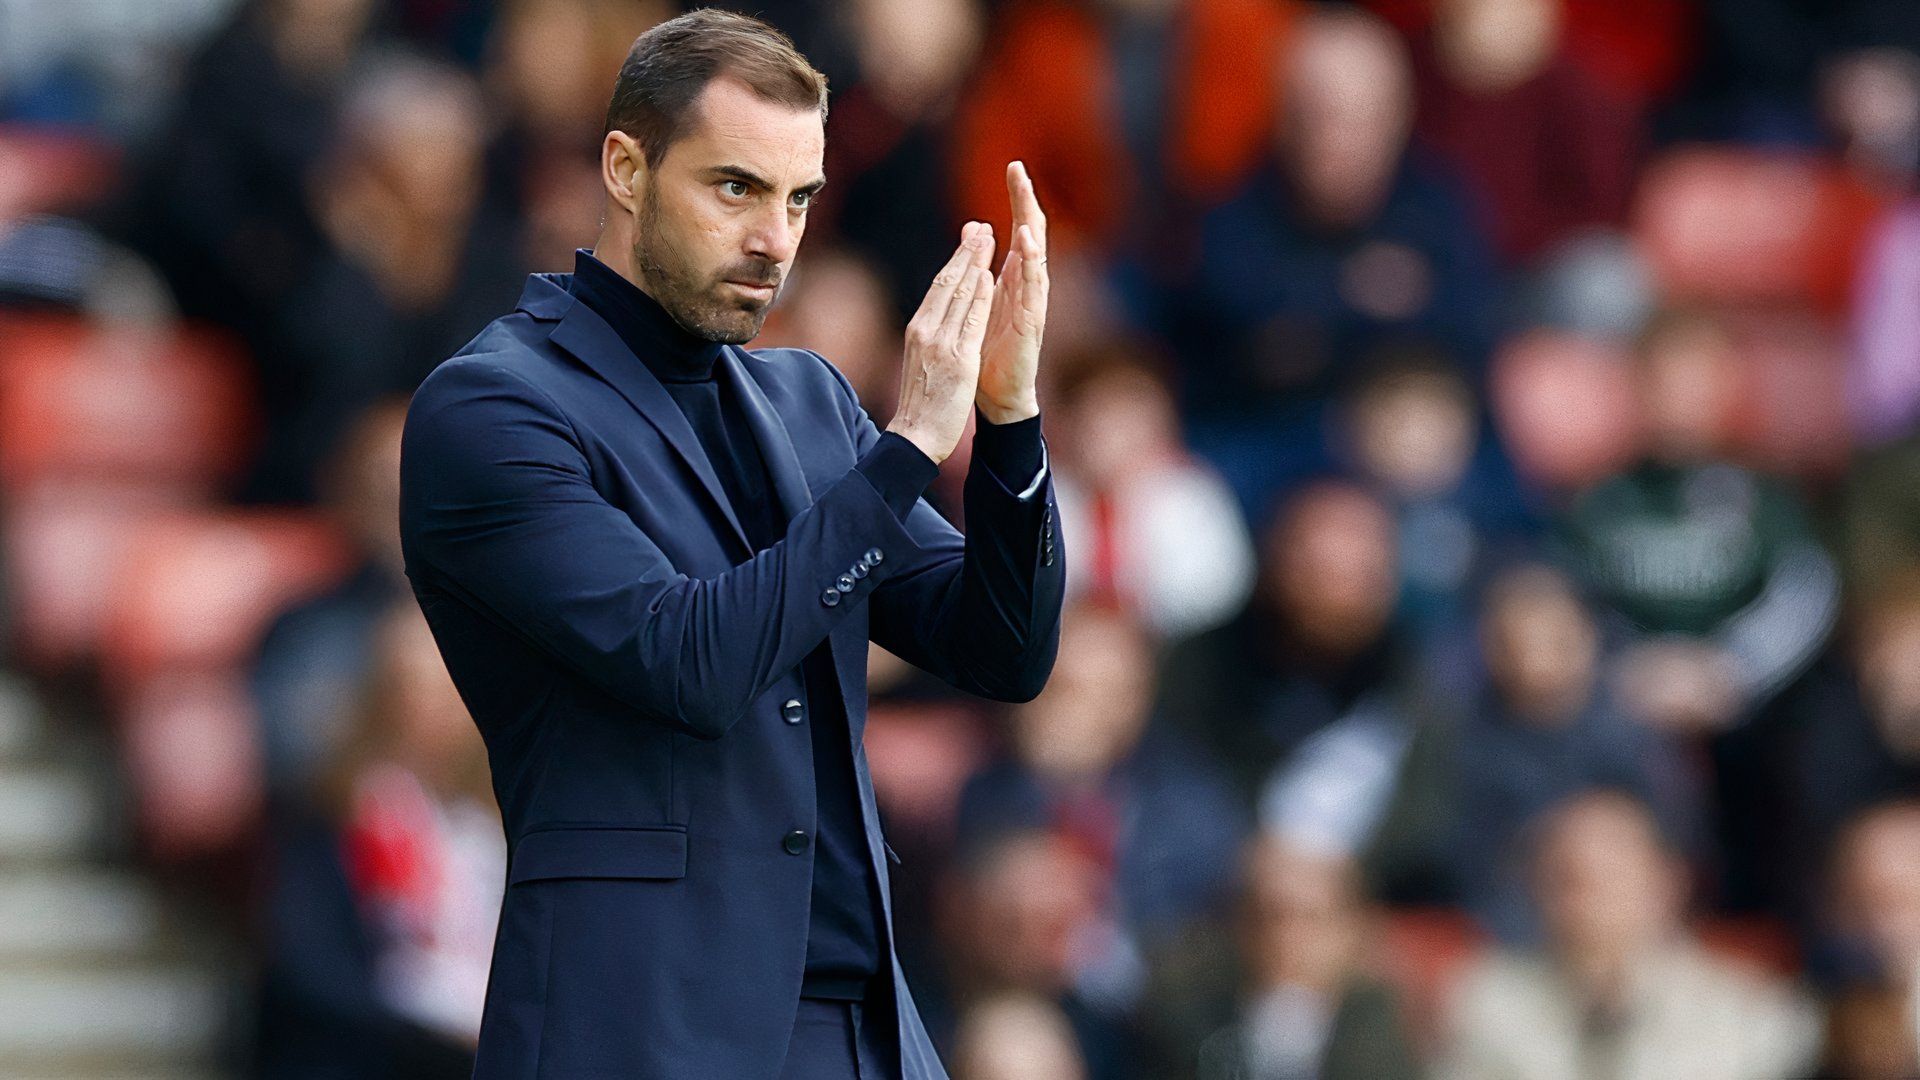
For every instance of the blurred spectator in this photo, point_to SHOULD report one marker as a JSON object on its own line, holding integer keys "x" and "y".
{"x": 316, "y": 654}
{"x": 385, "y": 892}
{"x": 1761, "y": 60}
{"x": 1716, "y": 567}
{"x": 1639, "y": 49}
{"x": 1621, "y": 991}
{"x": 1883, "y": 376}
{"x": 1548, "y": 148}
{"x": 1314, "y": 645}
{"x": 1881, "y": 506}
{"x": 1343, "y": 243}
{"x": 1016, "y": 1037}
{"x": 1870, "y": 1035}
{"x": 889, "y": 139}
{"x": 1305, "y": 1006}
{"x": 1597, "y": 285}
{"x": 413, "y": 267}
{"x": 221, "y": 206}
{"x": 1872, "y": 947}
{"x": 1413, "y": 429}
{"x": 549, "y": 70}
{"x": 1856, "y": 729}
{"x": 1020, "y": 916}
{"x": 1542, "y": 730}
{"x": 1720, "y": 592}
{"x": 1154, "y": 823}
{"x": 1154, "y": 530}
{"x": 1870, "y": 99}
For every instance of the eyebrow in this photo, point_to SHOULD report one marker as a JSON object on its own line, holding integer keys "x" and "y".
{"x": 747, "y": 176}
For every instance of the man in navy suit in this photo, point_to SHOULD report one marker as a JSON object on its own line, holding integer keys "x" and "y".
{"x": 653, "y": 561}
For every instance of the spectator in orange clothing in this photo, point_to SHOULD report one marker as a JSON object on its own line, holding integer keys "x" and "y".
{"x": 1119, "y": 106}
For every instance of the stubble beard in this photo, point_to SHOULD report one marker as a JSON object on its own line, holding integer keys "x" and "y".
{"x": 695, "y": 304}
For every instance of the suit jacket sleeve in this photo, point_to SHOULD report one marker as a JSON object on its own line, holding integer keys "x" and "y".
{"x": 981, "y": 610}
{"x": 499, "y": 509}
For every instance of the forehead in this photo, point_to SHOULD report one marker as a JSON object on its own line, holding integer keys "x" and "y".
{"x": 735, "y": 126}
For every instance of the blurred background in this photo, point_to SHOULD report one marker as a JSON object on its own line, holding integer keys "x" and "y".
{"x": 1486, "y": 441}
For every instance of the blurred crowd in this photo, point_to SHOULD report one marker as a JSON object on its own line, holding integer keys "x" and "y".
{"x": 1488, "y": 443}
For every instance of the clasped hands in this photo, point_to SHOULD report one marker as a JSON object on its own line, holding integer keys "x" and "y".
{"x": 975, "y": 340}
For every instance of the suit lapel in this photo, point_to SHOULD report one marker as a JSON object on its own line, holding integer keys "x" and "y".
{"x": 776, "y": 446}
{"x": 587, "y": 336}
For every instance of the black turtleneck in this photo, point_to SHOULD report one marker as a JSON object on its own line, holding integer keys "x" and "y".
{"x": 844, "y": 931}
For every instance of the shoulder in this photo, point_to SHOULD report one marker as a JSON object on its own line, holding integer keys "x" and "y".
{"x": 475, "y": 377}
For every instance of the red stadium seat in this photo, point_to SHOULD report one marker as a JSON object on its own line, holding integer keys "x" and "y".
{"x": 197, "y": 590}
{"x": 1729, "y": 225}
{"x": 60, "y": 548}
{"x": 84, "y": 403}
{"x": 191, "y": 749}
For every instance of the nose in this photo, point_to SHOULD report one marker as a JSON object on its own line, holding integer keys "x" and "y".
{"x": 774, "y": 235}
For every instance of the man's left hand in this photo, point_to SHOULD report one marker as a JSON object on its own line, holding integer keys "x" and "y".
{"x": 1010, "y": 356}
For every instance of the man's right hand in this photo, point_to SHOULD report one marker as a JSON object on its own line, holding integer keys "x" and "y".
{"x": 942, "y": 365}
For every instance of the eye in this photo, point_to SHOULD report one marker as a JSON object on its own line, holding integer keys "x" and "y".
{"x": 805, "y": 199}
{"x": 731, "y": 184}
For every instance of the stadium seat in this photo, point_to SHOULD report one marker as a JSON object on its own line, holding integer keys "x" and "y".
{"x": 81, "y": 402}
{"x": 197, "y": 589}
{"x": 1745, "y": 226}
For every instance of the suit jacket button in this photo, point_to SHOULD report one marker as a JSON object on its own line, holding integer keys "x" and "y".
{"x": 791, "y": 711}
{"x": 831, "y": 597}
{"x": 860, "y": 569}
{"x": 796, "y": 842}
{"x": 873, "y": 556}
{"x": 844, "y": 583}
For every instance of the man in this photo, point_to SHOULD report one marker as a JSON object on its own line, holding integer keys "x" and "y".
{"x": 653, "y": 562}
{"x": 1621, "y": 990}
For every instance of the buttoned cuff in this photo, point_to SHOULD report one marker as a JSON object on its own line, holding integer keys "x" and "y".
{"x": 1014, "y": 453}
{"x": 899, "y": 471}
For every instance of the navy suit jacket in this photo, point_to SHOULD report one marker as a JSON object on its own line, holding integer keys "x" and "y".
{"x": 634, "y": 669}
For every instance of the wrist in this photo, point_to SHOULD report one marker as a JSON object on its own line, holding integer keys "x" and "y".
{"x": 1012, "y": 412}
{"x": 921, "y": 439}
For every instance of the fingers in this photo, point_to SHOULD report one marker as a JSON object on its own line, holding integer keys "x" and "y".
{"x": 1007, "y": 291}
{"x": 973, "y": 324}
{"x": 1033, "y": 271}
{"x": 933, "y": 307}
{"x": 1026, "y": 205}
{"x": 967, "y": 316}
{"x": 978, "y": 249}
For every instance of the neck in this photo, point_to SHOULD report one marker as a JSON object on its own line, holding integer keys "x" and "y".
{"x": 616, "y": 251}
{"x": 671, "y": 351}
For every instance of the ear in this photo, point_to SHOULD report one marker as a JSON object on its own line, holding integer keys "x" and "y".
{"x": 623, "y": 169}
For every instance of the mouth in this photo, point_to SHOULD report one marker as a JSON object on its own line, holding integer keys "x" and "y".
{"x": 753, "y": 289}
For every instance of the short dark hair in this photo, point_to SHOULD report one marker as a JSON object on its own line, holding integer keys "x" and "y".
{"x": 672, "y": 63}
